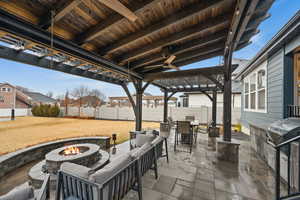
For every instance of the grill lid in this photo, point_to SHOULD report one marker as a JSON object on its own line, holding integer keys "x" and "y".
{"x": 282, "y": 130}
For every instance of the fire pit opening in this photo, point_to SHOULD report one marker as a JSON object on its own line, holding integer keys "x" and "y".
{"x": 73, "y": 150}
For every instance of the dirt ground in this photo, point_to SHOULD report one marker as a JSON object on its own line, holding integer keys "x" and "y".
{"x": 28, "y": 131}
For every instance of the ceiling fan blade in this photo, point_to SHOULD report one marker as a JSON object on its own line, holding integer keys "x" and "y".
{"x": 170, "y": 59}
{"x": 120, "y": 8}
{"x": 173, "y": 67}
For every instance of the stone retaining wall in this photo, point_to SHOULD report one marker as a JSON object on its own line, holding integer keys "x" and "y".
{"x": 267, "y": 153}
{"x": 14, "y": 160}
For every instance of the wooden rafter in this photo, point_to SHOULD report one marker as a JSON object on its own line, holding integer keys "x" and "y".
{"x": 196, "y": 43}
{"x": 198, "y": 52}
{"x": 102, "y": 27}
{"x": 174, "y": 18}
{"x": 60, "y": 13}
{"x": 117, "y": 6}
{"x": 176, "y": 37}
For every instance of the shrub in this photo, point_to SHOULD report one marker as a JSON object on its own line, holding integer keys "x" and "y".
{"x": 45, "y": 110}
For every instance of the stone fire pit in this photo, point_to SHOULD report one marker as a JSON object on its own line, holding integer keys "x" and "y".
{"x": 85, "y": 154}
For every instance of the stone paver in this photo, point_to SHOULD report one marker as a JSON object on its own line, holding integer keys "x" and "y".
{"x": 200, "y": 176}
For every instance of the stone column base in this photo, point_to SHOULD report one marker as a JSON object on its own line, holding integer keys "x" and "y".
{"x": 228, "y": 151}
{"x": 212, "y": 142}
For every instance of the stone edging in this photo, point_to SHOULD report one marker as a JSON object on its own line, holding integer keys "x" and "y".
{"x": 14, "y": 160}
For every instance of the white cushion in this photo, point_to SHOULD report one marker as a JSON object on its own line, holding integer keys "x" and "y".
{"x": 141, "y": 139}
{"x": 23, "y": 193}
{"x": 139, "y": 151}
{"x": 110, "y": 170}
{"x": 77, "y": 170}
{"x": 157, "y": 140}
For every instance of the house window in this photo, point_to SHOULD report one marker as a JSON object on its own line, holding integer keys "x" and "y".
{"x": 5, "y": 89}
{"x": 261, "y": 89}
{"x": 255, "y": 85}
{"x": 246, "y": 91}
{"x": 253, "y": 91}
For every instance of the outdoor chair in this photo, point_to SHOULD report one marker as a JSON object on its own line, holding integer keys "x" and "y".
{"x": 185, "y": 132}
{"x": 113, "y": 181}
{"x": 27, "y": 192}
{"x": 165, "y": 133}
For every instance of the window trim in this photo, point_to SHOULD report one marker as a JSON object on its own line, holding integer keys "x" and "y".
{"x": 263, "y": 66}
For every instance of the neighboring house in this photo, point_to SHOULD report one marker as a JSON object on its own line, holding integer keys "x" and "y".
{"x": 37, "y": 98}
{"x": 271, "y": 85}
{"x": 148, "y": 101}
{"x": 10, "y": 97}
{"x": 198, "y": 99}
{"x": 15, "y": 97}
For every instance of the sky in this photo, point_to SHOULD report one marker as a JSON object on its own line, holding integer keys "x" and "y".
{"x": 44, "y": 81}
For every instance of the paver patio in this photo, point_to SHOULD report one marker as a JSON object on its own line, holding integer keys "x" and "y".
{"x": 201, "y": 176}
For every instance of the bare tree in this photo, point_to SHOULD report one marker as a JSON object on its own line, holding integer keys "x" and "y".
{"x": 96, "y": 99}
{"x": 78, "y": 93}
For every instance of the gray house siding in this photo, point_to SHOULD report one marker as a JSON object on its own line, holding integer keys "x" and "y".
{"x": 275, "y": 105}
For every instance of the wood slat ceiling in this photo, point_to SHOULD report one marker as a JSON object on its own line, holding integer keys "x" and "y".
{"x": 192, "y": 30}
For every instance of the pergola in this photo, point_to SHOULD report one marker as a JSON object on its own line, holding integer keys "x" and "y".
{"x": 134, "y": 41}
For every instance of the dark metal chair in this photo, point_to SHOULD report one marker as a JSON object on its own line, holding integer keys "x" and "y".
{"x": 185, "y": 133}
{"x": 44, "y": 192}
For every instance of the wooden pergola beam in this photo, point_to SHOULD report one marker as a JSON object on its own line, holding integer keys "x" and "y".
{"x": 103, "y": 26}
{"x": 176, "y": 37}
{"x": 45, "y": 22}
{"x": 170, "y": 20}
{"x": 117, "y": 6}
{"x": 245, "y": 21}
{"x": 200, "y": 52}
{"x": 186, "y": 73}
{"x": 196, "y": 43}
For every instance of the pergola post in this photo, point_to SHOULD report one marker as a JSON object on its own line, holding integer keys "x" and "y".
{"x": 227, "y": 97}
{"x": 214, "y": 108}
{"x": 165, "y": 106}
{"x": 227, "y": 149}
{"x": 139, "y": 105}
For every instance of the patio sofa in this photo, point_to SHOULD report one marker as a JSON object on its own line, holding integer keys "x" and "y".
{"x": 114, "y": 180}
{"x": 27, "y": 192}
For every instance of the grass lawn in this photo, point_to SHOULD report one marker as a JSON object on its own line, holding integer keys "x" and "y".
{"x": 28, "y": 131}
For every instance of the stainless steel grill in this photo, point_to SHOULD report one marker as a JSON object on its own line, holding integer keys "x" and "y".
{"x": 283, "y": 130}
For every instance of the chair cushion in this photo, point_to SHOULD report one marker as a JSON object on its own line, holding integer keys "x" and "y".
{"x": 136, "y": 153}
{"x": 20, "y": 193}
{"x": 102, "y": 175}
{"x": 77, "y": 170}
{"x": 141, "y": 139}
{"x": 157, "y": 140}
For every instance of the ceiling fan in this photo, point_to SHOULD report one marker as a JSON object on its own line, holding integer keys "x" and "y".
{"x": 166, "y": 53}
{"x": 166, "y": 64}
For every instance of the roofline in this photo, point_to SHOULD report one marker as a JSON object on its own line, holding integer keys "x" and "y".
{"x": 209, "y": 92}
{"x": 286, "y": 30}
